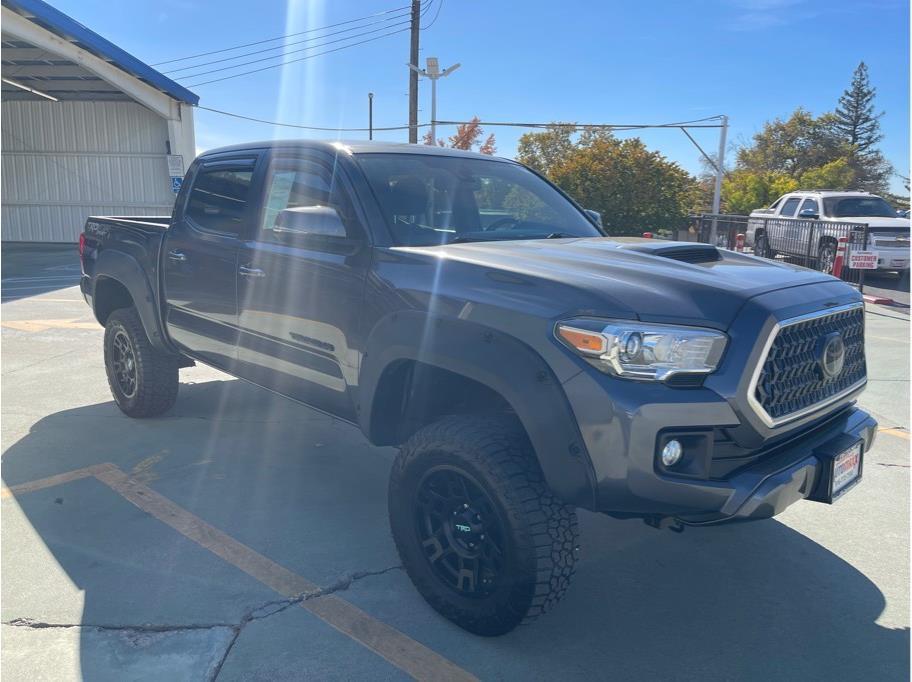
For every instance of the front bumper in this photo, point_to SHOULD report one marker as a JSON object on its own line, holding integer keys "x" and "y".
{"x": 798, "y": 472}
{"x": 891, "y": 258}
{"x": 754, "y": 483}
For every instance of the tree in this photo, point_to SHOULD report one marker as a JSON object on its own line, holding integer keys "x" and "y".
{"x": 636, "y": 190}
{"x": 466, "y": 137}
{"x": 857, "y": 123}
{"x": 794, "y": 146}
{"x": 546, "y": 150}
{"x": 745, "y": 190}
{"x": 837, "y": 174}
{"x": 855, "y": 119}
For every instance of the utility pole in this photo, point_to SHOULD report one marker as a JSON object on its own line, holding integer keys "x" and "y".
{"x": 720, "y": 168}
{"x": 370, "y": 116}
{"x": 413, "y": 75}
{"x": 434, "y": 74}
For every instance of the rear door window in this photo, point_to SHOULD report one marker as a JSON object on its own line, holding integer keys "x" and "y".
{"x": 218, "y": 200}
{"x": 788, "y": 208}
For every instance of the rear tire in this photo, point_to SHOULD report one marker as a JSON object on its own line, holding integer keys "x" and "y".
{"x": 143, "y": 380}
{"x": 503, "y": 556}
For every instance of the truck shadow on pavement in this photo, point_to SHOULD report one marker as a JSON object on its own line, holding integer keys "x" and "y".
{"x": 750, "y": 601}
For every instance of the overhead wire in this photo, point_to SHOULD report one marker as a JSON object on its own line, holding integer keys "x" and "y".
{"x": 304, "y": 127}
{"x": 287, "y": 45}
{"x": 299, "y": 59}
{"x": 282, "y": 37}
{"x": 289, "y": 52}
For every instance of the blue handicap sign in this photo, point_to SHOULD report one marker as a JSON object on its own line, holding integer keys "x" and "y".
{"x": 176, "y": 184}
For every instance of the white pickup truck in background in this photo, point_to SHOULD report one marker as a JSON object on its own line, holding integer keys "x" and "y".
{"x": 888, "y": 233}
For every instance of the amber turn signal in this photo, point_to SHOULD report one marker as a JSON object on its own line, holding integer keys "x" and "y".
{"x": 584, "y": 341}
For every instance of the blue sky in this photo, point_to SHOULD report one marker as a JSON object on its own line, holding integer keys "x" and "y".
{"x": 598, "y": 62}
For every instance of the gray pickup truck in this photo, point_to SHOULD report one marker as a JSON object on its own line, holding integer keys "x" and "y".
{"x": 465, "y": 310}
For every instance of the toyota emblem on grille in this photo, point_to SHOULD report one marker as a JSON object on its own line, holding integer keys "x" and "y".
{"x": 831, "y": 356}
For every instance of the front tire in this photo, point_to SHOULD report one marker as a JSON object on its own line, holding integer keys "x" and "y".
{"x": 143, "y": 380}
{"x": 762, "y": 247}
{"x": 480, "y": 534}
{"x": 826, "y": 257}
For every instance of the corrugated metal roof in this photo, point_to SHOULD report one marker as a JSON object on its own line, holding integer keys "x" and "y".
{"x": 71, "y": 30}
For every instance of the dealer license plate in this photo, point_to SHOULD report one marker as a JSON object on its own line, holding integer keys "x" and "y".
{"x": 846, "y": 469}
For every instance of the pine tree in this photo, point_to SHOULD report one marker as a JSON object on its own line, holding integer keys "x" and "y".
{"x": 857, "y": 122}
{"x": 855, "y": 117}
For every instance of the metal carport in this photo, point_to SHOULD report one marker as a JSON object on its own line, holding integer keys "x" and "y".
{"x": 87, "y": 127}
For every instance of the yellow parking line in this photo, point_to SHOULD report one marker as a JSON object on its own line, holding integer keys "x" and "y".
{"x": 899, "y": 433}
{"x": 410, "y": 656}
{"x": 51, "y": 481}
{"x": 42, "y": 325}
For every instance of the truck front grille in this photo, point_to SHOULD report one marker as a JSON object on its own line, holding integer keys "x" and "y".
{"x": 791, "y": 380}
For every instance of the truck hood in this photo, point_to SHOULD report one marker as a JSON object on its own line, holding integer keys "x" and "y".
{"x": 653, "y": 280}
{"x": 889, "y": 225}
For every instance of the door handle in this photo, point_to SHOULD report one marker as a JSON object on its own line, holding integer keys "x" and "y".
{"x": 177, "y": 256}
{"x": 244, "y": 271}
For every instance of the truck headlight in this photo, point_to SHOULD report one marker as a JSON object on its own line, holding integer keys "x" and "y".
{"x": 639, "y": 350}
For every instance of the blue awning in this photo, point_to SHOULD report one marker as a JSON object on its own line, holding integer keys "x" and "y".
{"x": 72, "y": 31}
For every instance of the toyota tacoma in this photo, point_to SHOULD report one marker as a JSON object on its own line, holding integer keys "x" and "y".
{"x": 467, "y": 311}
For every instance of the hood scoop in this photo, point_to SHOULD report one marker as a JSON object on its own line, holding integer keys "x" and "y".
{"x": 685, "y": 252}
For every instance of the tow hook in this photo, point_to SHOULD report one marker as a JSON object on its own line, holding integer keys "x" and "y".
{"x": 660, "y": 522}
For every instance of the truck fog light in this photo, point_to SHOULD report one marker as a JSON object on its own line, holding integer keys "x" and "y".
{"x": 672, "y": 453}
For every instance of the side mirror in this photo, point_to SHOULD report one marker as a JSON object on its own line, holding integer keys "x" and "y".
{"x": 595, "y": 215}
{"x": 809, "y": 214}
{"x": 310, "y": 221}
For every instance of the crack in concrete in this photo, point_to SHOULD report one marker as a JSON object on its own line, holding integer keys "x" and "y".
{"x": 343, "y": 583}
{"x": 258, "y": 612}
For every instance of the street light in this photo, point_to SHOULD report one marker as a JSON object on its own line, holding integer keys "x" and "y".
{"x": 433, "y": 73}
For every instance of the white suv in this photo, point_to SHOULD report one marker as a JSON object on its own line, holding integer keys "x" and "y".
{"x": 888, "y": 233}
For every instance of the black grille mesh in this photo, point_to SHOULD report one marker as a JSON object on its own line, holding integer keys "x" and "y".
{"x": 791, "y": 379}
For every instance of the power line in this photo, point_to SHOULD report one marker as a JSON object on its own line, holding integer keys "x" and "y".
{"x": 282, "y": 37}
{"x": 284, "y": 54}
{"x": 303, "y": 127}
{"x": 287, "y": 45}
{"x": 698, "y": 123}
{"x": 615, "y": 126}
{"x": 299, "y": 59}
{"x": 436, "y": 14}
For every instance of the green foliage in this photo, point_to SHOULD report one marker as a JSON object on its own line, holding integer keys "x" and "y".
{"x": 636, "y": 190}
{"x": 836, "y": 150}
{"x": 794, "y": 146}
{"x": 858, "y": 124}
{"x": 854, "y": 118}
{"x": 745, "y": 190}
{"x": 837, "y": 174}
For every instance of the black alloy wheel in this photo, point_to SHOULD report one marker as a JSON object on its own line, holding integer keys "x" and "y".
{"x": 124, "y": 361}
{"x": 480, "y": 534}
{"x": 143, "y": 379}
{"x": 459, "y": 529}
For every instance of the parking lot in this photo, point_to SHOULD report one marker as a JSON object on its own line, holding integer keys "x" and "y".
{"x": 243, "y": 536}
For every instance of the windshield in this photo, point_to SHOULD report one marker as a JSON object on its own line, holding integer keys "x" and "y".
{"x": 428, "y": 200}
{"x": 857, "y": 207}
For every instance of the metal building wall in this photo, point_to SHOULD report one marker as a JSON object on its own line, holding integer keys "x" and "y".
{"x": 64, "y": 161}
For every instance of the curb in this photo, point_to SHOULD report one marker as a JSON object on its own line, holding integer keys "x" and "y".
{"x": 880, "y": 300}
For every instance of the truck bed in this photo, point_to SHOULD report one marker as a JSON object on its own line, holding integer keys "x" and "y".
{"x": 160, "y": 222}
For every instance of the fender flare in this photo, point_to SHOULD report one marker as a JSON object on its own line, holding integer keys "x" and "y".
{"x": 500, "y": 362}
{"x": 127, "y": 271}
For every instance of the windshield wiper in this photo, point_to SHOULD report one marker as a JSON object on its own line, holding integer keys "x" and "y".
{"x": 510, "y": 237}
